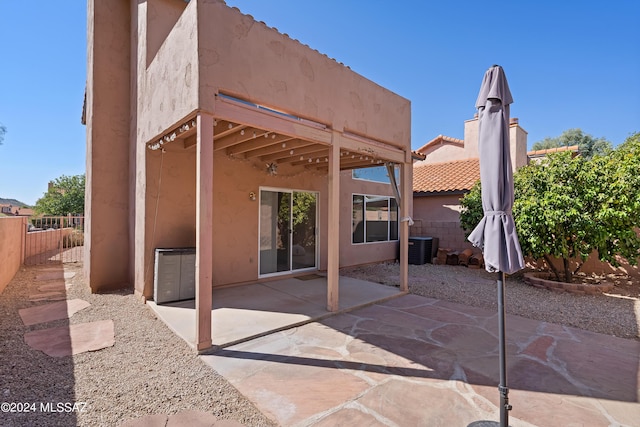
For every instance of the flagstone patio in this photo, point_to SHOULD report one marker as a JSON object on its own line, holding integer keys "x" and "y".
{"x": 420, "y": 361}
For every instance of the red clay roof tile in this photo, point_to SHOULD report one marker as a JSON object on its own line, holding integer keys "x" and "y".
{"x": 458, "y": 175}
{"x": 574, "y": 148}
{"x": 441, "y": 139}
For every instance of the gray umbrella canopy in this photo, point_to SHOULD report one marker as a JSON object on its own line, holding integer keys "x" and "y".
{"x": 496, "y": 233}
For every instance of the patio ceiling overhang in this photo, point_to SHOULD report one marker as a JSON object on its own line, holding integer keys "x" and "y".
{"x": 247, "y": 131}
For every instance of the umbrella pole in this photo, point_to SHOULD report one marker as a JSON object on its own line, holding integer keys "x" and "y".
{"x": 502, "y": 387}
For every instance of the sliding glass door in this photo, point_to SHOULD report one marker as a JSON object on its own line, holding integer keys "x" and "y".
{"x": 287, "y": 231}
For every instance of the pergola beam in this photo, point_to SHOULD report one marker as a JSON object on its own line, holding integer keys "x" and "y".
{"x": 358, "y": 145}
{"x": 257, "y": 143}
{"x": 286, "y": 153}
{"x": 227, "y": 109}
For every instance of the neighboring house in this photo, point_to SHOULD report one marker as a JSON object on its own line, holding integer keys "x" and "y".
{"x": 9, "y": 209}
{"x": 537, "y": 155}
{"x": 208, "y": 129}
{"x": 437, "y": 190}
{"x": 450, "y": 169}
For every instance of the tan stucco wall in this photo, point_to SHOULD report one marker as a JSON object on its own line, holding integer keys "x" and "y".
{"x": 161, "y": 17}
{"x": 362, "y": 253}
{"x": 437, "y": 208}
{"x": 12, "y": 231}
{"x": 443, "y": 152}
{"x": 439, "y": 216}
{"x": 279, "y": 72}
{"x": 106, "y": 260}
{"x": 236, "y": 217}
{"x": 167, "y": 60}
{"x": 168, "y": 88}
{"x": 170, "y": 204}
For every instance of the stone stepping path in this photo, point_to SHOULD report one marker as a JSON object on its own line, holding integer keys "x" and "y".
{"x": 64, "y": 340}
{"x": 72, "y": 339}
{"x": 47, "y": 296}
{"x": 53, "y": 291}
{"x": 53, "y": 275}
{"x": 53, "y": 311}
{"x": 54, "y": 287}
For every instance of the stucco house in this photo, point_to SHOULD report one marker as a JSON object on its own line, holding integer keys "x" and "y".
{"x": 449, "y": 170}
{"x": 9, "y": 209}
{"x": 208, "y": 129}
{"x": 539, "y": 155}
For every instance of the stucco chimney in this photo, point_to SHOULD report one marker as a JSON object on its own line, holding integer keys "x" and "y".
{"x": 471, "y": 138}
{"x": 518, "y": 140}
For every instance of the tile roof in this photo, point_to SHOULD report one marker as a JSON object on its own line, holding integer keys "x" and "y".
{"x": 441, "y": 139}
{"x": 454, "y": 176}
{"x": 538, "y": 153}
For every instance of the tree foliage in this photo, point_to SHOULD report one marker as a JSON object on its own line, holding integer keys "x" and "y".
{"x": 3, "y": 131}
{"x": 554, "y": 200}
{"x": 619, "y": 214}
{"x": 471, "y": 213}
{"x": 568, "y": 207}
{"x": 65, "y": 196}
{"x": 588, "y": 145}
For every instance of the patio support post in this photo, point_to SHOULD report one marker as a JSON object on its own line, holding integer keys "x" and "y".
{"x": 333, "y": 231}
{"x": 204, "y": 227}
{"x": 406, "y": 187}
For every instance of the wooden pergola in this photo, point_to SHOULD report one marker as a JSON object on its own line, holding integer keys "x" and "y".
{"x": 248, "y": 131}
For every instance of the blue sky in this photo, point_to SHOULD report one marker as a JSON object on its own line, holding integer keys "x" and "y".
{"x": 570, "y": 64}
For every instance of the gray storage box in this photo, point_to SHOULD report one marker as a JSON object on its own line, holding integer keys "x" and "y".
{"x": 174, "y": 275}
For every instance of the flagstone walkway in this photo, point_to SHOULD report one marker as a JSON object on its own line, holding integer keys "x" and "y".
{"x": 62, "y": 340}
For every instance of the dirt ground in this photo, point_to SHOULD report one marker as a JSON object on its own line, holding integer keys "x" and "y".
{"x": 625, "y": 285}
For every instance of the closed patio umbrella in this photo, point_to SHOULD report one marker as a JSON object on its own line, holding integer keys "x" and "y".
{"x": 496, "y": 234}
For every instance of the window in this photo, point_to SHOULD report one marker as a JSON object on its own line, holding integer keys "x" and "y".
{"x": 376, "y": 174}
{"x": 374, "y": 219}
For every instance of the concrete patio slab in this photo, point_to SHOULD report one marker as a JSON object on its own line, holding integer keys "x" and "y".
{"x": 53, "y": 311}
{"x": 419, "y": 361}
{"x": 249, "y": 311}
{"x": 72, "y": 339}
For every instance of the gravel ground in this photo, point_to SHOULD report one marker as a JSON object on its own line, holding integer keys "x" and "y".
{"x": 149, "y": 370}
{"x": 611, "y": 314}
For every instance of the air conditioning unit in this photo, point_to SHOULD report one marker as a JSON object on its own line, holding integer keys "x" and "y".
{"x": 174, "y": 275}
{"x": 422, "y": 249}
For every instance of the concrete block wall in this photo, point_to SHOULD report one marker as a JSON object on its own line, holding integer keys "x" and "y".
{"x": 449, "y": 233}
